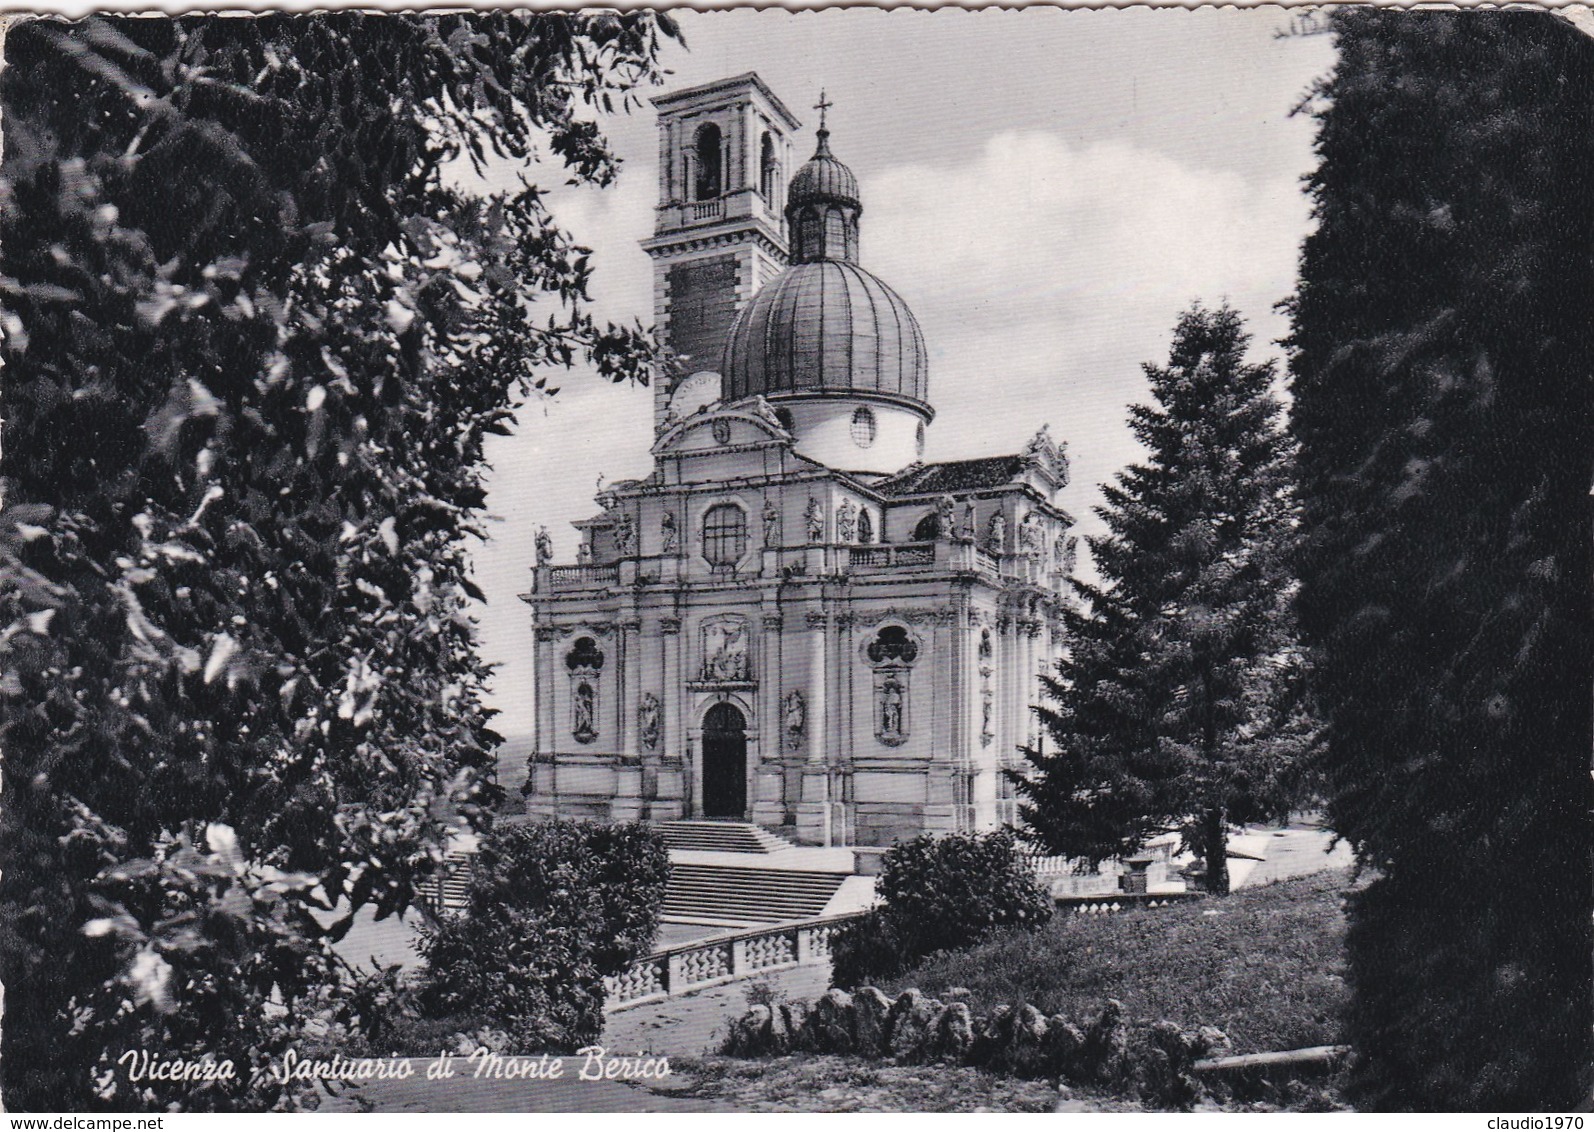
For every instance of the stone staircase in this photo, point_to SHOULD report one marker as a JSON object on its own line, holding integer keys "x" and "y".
{"x": 720, "y": 837}
{"x": 735, "y": 874}
{"x": 730, "y": 895}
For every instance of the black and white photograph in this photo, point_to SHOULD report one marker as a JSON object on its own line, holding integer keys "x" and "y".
{"x": 841, "y": 560}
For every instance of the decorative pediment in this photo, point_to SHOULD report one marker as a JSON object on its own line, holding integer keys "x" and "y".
{"x": 1048, "y": 455}
{"x": 717, "y": 428}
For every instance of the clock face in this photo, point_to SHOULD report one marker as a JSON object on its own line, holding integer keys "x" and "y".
{"x": 695, "y": 392}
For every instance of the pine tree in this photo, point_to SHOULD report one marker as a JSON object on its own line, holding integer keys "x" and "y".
{"x": 1441, "y": 357}
{"x": 1169, "y": 712}
{"x": 255, "y": 337}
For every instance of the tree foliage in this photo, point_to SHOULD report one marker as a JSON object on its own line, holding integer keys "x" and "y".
{"x": 1441, "y": 362}
{"x": 255, "y": 334}
{"x": 554, "y": 907}
{"x": 938, "y": 894}
{"x": 1175, "y": 707}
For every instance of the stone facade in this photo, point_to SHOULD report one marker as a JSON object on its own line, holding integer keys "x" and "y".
{"x": 844, "y": 656}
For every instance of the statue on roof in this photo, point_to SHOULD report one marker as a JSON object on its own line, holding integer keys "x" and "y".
{"x": 544, "y": 546}
{"x": 766, "y": 412}
{"x": 815, "y": 516}
{"x": 1049, "y": 455}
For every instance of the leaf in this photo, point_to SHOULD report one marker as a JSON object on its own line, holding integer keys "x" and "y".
{"x": 222, "y": 650}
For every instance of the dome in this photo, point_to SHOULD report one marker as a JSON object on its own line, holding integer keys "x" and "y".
{"x": 823, "y": 177}
{"x": 827, "y": 327}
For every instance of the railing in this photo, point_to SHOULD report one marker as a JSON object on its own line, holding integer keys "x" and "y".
{"x": 448, "y": 889}
{"x": 584, "y": 574}
{"x": 1110, "y": 903}
{"x": 1051, "y": 866}
{"x": 987, "y": 561}
{"x": 706, "y": 210}
{"x": 693, "y": 966}
{"x": 884, "y": 557}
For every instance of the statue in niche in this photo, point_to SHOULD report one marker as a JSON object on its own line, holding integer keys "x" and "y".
{"x": 985, "y": 644}
{"x": 725, "y": 650}
{"x": 966, "y": 532}
{"x": 667, "y": 530}
{"x": 845, "y": 522}
{"x": 1070, "y": 554}
{"x": 796, "y": 709}
{"x": 865, "y": 526}
{"x": 1029, "y": 535}
{"x": 585, "y": 712}
{"x": 544, "y": 546}
{"x": 986, "y": 734}
{"x": 624, "y": 532}
{"x": 996, "y": 534}
{"x": 815, "y": 517}
{"x": 771, "y": 522}
{"x": 891, "y": 710}
{"x": 945, "y": 518}
{"x": 647, "y": 714}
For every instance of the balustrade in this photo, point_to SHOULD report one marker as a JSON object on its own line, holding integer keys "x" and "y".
{"x": 689, "y": 967}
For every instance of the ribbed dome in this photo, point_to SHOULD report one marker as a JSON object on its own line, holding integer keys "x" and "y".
{"x": 823, "y": 177}
{"x": 827, "y": 327}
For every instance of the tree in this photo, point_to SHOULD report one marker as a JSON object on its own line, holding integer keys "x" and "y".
{"x": 1441, "y": 359}
{"x": 254, "y": 340}
{"x": 1170, "y": 710}
{"x": 553, "y": 908}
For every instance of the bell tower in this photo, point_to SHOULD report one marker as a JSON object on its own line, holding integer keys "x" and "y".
{"x": 725, "y": 149}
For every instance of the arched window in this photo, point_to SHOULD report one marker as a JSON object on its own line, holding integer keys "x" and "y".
{"x": 835, "y": 234}
{"x": 769, "y": 171}
{"x": 918, "y": 439}
{"x": 810, "y": 225}
{"x": 863, "y": 426}
{"x": 865, "y": 525}
{"x": 709, "y": 182}
{"x": 724, "y": 536}
{"x": 928, "y": 529}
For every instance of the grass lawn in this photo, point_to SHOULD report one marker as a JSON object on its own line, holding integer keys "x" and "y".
{"x": 1264, "y": 965}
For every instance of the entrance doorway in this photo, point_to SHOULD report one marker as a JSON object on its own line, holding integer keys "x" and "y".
{"x": 724, "y": 762}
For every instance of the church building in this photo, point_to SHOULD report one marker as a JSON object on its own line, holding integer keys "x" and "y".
{"x": 794, "y": 620}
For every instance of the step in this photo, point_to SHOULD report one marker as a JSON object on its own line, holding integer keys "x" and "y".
{"x": 720, "y": 836}
{"x": 729, "y": 893}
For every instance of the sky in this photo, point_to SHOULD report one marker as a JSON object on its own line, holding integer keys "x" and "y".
{"x": 1048, "y": 189}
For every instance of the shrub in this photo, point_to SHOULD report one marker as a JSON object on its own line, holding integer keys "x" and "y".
{"x": 553, "y": 908}
{"x": 938, "y": 894}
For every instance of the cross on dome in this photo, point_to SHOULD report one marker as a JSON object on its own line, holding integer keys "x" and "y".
{"x": 823, "y": 105}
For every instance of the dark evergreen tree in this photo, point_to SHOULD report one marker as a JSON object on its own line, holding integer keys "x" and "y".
{"x": 254, "y": 338}
{"x": 1169, "y": 711}
{"x": 1441, "y": 355}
